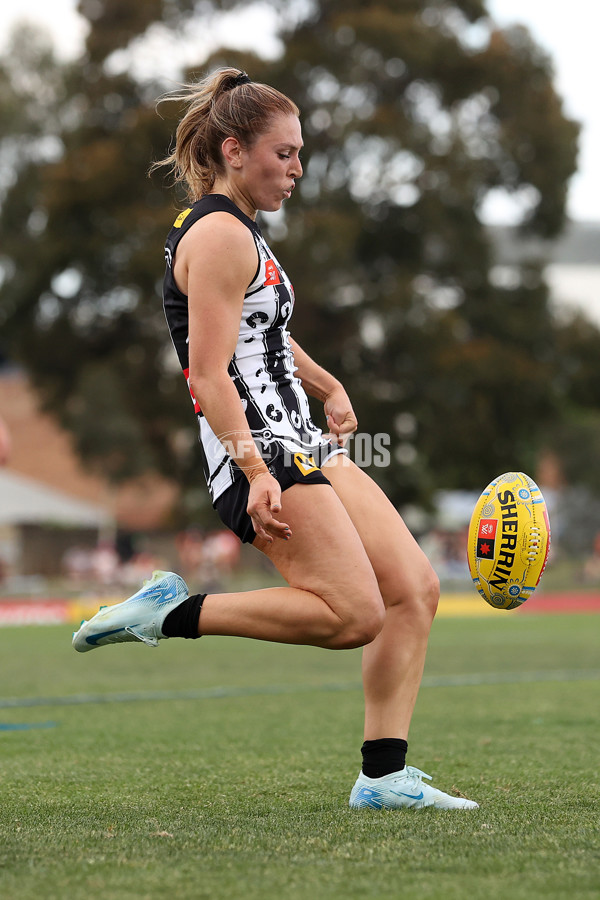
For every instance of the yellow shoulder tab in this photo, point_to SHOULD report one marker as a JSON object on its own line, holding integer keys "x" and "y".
{"x": 181, "y": 218}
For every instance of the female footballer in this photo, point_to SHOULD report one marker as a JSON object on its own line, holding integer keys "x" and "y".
{"x": 355, "y": 576}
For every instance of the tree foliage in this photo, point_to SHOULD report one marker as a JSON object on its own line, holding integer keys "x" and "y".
{"x": 413, "y": 113}
{"x": 82, "y": 234}
{"x": 409, "y": 126}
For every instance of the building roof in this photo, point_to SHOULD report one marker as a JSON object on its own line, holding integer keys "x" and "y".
{"x": 576, "y": 246}
{"x": 24, "y": 501}
{"x": 571, "y": 263}
{"x": 43, "y": 451}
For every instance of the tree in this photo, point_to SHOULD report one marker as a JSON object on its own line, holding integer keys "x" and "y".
{"x": 81, "y": 300}
{"x": 408, "y": 129}
{"x": 410, "y": 122}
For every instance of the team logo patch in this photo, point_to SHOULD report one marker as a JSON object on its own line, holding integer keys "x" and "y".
{"x": 486, "y": 538}
{"x": 181, "y": 218}
{"x": 305, "y": 464}
{"x": 271, "y": 273}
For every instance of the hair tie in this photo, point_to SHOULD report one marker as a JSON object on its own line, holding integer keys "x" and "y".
{"x": 242, "y": 78}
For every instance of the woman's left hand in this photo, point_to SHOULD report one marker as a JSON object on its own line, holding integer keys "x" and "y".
{"x": 341, "y": 420}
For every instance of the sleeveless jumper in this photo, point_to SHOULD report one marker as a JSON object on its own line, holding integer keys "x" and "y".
{"x": 262, "y": 367}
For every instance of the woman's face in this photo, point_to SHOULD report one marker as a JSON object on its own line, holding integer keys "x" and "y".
{"x": 270, "y": 167}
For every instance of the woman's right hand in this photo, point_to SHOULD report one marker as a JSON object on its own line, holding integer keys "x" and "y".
{"x": 264, "y": 502}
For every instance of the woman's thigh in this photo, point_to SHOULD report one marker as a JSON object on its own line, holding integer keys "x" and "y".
{"x": 325, "y": 554}
{"x": 402, "y": 569}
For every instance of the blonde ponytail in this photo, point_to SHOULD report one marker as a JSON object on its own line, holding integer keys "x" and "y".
{"x": 224, "y": 104}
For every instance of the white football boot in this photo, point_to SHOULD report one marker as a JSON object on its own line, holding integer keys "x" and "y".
{"x": 139, "y": 618}
{"x": 403, "y": 790}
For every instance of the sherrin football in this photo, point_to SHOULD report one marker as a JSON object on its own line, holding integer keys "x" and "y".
{"x": 509, "y": 539}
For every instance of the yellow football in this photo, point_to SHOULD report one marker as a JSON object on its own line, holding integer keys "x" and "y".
{"x": 509, "y": 539}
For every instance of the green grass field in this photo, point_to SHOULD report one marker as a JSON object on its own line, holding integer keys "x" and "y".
{"x": 226, "y": 771}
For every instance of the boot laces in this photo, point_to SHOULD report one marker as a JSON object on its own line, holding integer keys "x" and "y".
{"x": 416, "y": 775}
{"x": 141, "y": 636}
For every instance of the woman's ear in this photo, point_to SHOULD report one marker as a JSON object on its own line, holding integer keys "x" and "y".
{"x": 232, "y": 152}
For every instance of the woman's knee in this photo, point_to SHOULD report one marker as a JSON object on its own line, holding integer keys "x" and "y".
{"x": 420, "y": 592}
{"x": 362, "y": 624}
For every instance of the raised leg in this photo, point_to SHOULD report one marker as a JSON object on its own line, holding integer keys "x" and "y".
{"x": 332, "y": 601}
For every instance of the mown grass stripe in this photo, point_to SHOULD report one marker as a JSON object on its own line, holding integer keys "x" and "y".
{"x": 474, "y": 679}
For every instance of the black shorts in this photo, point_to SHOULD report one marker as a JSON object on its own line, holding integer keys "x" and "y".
{"x": 288, "y": 469}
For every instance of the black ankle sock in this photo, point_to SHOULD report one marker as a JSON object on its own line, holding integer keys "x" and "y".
{"x": 183, "y": 620}
{"x": 383, "y": 756}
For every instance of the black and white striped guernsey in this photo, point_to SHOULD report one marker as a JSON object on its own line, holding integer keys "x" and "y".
{"x": 262, "y": 367}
